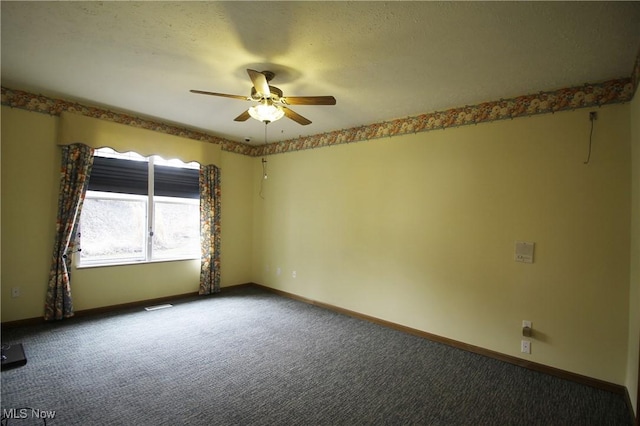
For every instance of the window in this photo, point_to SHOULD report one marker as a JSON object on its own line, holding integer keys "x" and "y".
{"x": 139, "y": 209}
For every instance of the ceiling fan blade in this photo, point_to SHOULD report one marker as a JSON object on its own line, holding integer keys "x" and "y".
{"x": 309, "y": 100}
{"x": 295, "y": 116}
{"x": 224, "y": 95}
{"x": 260, "y": 82}
{"x": 243, "y": 117}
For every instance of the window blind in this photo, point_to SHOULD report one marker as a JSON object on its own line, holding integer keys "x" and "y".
{"x": 131, "y": 177}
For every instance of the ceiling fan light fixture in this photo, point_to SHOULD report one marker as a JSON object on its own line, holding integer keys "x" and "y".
{"x": 266, "y": 112}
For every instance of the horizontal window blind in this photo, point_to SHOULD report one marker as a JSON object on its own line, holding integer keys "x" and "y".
{"x": 121, "y": 176}
{"x": 176, "y": 182}
{"x": 131, "y": 177}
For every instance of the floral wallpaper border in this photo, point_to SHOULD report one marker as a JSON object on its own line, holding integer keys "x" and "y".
{"x": 587, "y": 96}
{"x": 51, "y": 106}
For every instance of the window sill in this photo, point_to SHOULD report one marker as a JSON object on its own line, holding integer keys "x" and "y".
{"x": 133, "y": 262}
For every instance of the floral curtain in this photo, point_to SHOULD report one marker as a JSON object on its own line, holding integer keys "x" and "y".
{"x": 77, "y": 160}
{"x": 209, "y": 229}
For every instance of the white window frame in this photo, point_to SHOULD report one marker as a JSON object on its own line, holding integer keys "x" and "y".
{"x": 100, "y": 195}
{"x": 150, "y": 201}
{"x": 150, "y": 234}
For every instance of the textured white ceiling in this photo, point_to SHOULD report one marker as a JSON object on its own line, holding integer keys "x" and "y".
{"x": 381, "y": 60}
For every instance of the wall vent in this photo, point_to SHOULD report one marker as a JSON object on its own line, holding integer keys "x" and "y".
{"x": 155, "y": 308}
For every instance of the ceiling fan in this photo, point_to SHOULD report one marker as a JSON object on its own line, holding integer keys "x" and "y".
{"x": 272, "y": 105}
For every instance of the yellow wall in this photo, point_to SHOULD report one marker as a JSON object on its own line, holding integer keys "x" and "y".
{"x": 633, "y": 358}
{"x": 30, "y": 176}
{"x": 236, "y": 232}
{"x": 420, "y": 230}
{"x": 30, "y": 168}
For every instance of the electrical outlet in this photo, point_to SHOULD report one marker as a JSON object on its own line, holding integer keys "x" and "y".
{"x": 525, "y": 346}
{"x": 593, "y": 115}
{"x": 15, "y": 292}
{"x": 278, "y": 271}
{"x": 293, "y": 274}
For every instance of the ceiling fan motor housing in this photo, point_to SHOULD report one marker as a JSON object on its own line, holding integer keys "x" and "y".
{"x": 268, "y": 75}
{"x": 276, "y": 93}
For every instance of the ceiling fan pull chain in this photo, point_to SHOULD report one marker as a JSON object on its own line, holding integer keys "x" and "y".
{"x": 265, "y": 131}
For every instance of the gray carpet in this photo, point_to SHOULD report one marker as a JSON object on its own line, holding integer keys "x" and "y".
{"x": 249, "y": 357}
